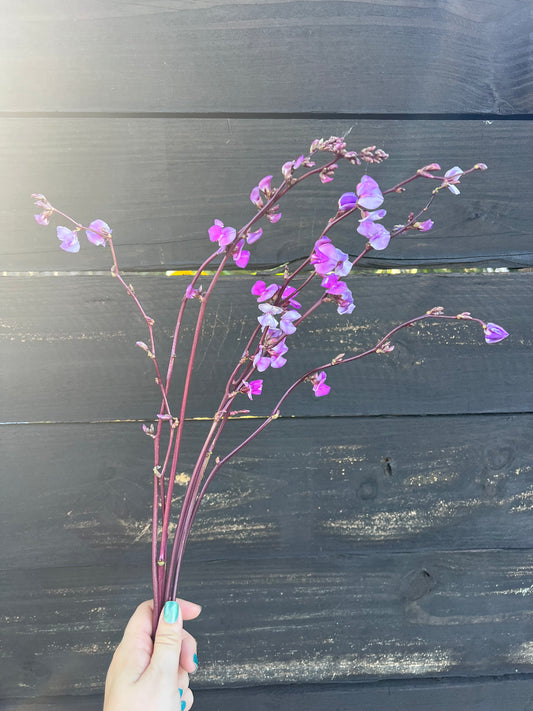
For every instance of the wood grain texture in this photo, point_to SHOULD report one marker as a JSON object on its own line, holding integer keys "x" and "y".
{"x": 81, "y": 494}
{"x": 277, "y": 56}
{"x": 69, "y": 354}
{"x": 439, "y": 695}
{"x": 160, "y": 184}
{"x": 318, "y": 619}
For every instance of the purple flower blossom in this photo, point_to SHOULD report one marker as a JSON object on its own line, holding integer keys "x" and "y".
{"x": 494, "y": 333}
{"x": 271, "y": 353}
{"x": 264, "y": 292}
{"x": 368, "y": 193}
{"x": 277, "y": 352}
{"x": 290, "y": 166}
{"x": 252, "y": 237}
{"x": 286, "y": 322}
{"x": 327, "y": 258}
{"x": 377, "y": 235}
{"x": 340, "y": 293}
{"x": 287, "y": 294}
{"x": 273, "y": 215}
{"x": 241, "y": 255}
{"x": 43, "y": 218}
{"x": 261, "y": 362}
{"x": 347, "y": 201}
{"x": 268, "y": 320}
{"x": 255, "y": 197}
{"x": 254, "y": 387}
{"x": 451, "y": 179}
{"x": 98, "y": 230}
{"x": 222, "y": 235}
{"x": 424, "y": 226}
{"x": 326, "y": 175}
{"x": 265, "y": 185}
{"x": 191, "y": 292}
{"x": 69, "y": 240}
{"x": 319, "y": 384}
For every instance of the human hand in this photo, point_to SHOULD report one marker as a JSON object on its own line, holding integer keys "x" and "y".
{"x": 149, "y": 676}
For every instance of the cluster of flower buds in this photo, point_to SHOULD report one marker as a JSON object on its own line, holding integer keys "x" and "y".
{"x": 43, "y": 218}
{"x": 264, "y": 189}
{"x": 337, "y": 146}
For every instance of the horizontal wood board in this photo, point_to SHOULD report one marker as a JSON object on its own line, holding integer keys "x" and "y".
{"x": 161, "y": 183}
{"x": 81, "y": 494}
{"x": 69, "y": 354}
{"x": 276, "y": 56}
{"x": 319, "y": 619}
{"x": 439, "y": 695}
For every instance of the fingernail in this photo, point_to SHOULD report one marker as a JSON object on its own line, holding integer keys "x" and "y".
{"x": 171, "y": 611}
{"x": 183, "y": 705}
{"x": 195, "y": 660}
{"x": 181, "y": 692}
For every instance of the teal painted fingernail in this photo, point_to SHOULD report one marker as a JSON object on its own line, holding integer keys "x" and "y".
{"x": 183, "y": 705}
{"x": 171, "y": 611}
{"x": 195, "y": 660}
{"x": 181, "y": 692}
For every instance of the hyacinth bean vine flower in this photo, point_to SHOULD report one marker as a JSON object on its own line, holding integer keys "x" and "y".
{"x": 226, "y": 236}
{"x": 280, "y": 319}
{"x": 319, "y": 384}
{"x": 339, "y": 292}
{"x": 377, "y": 235}
{"x": 328, "y": 259}
{"x": 254, "y": 387}
{"x": 494, "y": 333}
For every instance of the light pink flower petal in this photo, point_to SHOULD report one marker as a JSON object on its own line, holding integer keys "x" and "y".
{"x": 261, "y": 362}
{"x": 368, "y": 193}
{"x": 241, "y": 258}
{"x": 255, "y": 197}
{"x": 276, "y": 217}
{"x": 98, "y": 230}
{"x": 264, "y": 184}
{"x": 254, "y": 236}
{"x": 258, "y": 288}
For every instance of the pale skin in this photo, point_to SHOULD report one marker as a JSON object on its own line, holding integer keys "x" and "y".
{"x": 148, "y": 676}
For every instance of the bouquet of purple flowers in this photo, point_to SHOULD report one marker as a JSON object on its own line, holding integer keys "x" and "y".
{"x": 282, "y": 311}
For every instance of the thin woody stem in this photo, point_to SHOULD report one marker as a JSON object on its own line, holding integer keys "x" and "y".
{"x": 179, "y": 433}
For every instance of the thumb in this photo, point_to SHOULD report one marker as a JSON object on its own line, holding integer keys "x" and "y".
{"x": 167, "y": 643}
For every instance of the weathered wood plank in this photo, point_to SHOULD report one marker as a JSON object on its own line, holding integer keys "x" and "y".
{"x": 160, "y": 184}
{"x": 292, "y": 620}
{"x": 470, "y": 56}
{"x": 439, "y": 695}
{"x": 75, "y": 494}
{"x": 68, "y": 348}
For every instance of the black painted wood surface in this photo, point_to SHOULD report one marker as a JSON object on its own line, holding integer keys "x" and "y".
{"x": 441, "y": 695}
{"x": 285, "y": 620}
{"x": 161, "y": 183}
{"x": 285, "y": 56}
{"x": 373, "y": 549}
{"x": 339, "y": 485}
{"x": 77, "y": 335}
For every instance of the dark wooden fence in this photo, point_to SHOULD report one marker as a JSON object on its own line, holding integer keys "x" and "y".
{"x": 372, "y": 550}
